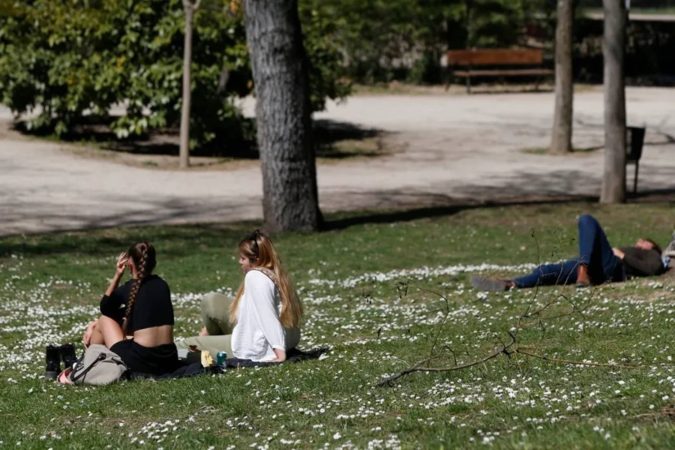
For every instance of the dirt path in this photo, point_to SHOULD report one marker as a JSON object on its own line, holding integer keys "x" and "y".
{"x": 448, "y": 148}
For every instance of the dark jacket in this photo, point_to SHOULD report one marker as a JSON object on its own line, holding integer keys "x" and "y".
{"x": 639, "y": 262}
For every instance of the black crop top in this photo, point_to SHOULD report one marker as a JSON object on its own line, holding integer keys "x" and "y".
{"x": 153, "y": 306}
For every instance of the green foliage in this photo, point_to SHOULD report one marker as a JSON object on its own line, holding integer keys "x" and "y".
{"x": 403, "y": 39}
{"x": 64, "y": 60}
{"x": 376, "y": 37}
{"x": 61, "y": 61}
{"x": 327, "y": 75}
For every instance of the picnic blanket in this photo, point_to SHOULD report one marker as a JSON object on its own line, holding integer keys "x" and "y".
{"x": 191, "y": 369}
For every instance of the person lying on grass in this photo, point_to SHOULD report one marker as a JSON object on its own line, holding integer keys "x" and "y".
{"x": 137, "y": 318}
{"x": 262, "y": 322}
{"x": 597, "y": 263}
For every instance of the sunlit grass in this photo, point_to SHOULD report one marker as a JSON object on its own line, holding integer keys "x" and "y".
{"x": 382, "y": 296}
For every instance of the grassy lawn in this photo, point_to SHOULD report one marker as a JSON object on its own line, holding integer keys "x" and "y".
{"x": 383, "y": 296}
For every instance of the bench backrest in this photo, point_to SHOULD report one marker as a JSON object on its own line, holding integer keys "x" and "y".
{"x": 495, "y": 56}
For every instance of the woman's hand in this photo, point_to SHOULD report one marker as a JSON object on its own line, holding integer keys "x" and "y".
{"x": 121, "y": 263}
{"x": 618, "y": 253}
{"x": 86, "y": 338}
{"x": 281, "y": 355}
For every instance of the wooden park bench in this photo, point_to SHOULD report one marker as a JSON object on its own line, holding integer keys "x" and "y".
{"x": 496, "y": 63}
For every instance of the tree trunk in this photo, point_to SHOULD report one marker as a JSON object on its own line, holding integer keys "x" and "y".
{"x": 184, "y": 153}
{"x": 283, "y": 115}
{"x": 614, "y": 174}
{"x": 561, "y": 136}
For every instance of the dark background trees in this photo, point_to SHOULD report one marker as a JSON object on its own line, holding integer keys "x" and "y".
{"x": 69, "y": 62}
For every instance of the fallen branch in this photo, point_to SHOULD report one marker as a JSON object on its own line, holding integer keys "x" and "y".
{"x": 505, "y": 349}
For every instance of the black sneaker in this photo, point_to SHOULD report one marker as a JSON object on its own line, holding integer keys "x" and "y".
{"x": 68, "y": 357}
{"x": 53, "y": 360}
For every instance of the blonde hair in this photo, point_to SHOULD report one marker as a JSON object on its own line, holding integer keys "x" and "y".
{"x": 260, "y": 251}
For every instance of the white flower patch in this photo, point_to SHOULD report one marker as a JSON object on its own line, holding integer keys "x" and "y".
{"x": 420, "y": 273}
{"x": 156, "y": 431}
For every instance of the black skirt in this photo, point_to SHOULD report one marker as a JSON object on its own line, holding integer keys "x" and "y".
{"x": 151, "y": 360}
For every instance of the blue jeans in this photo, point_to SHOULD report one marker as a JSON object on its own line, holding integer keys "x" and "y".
{"x": 594, "y": 251}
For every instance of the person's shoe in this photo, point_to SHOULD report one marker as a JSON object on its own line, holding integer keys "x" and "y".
{"x": 53, "y": 362}
{"x": 583, "y": 279}
{"x": 68, "y": 356}
{"x": 670, "y": 249}
{"x": 491, "y": 284}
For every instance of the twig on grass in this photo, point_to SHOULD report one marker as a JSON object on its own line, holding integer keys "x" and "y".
{"x": 418, "y": 367}
{"x": 506, "y": 348}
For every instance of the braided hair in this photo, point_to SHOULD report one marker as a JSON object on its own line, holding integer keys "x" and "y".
{"x": 143, "y": 256}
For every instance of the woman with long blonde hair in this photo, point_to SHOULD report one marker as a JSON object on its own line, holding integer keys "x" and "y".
{"x": 262, "y": 322}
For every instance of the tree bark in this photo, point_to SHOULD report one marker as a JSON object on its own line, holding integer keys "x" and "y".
{"x": 184, "y": 152}
{"x": 283, "y": 115}
{"x": 614, "y": 174}
{"x": 561, "y": 136}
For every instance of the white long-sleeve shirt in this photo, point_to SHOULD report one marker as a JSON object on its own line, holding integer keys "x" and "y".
{"x": 258, "y": 330}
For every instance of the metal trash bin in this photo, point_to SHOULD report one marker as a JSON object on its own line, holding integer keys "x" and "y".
{"x": 635, "y": 138}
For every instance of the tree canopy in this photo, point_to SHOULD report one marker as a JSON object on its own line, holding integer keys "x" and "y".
{"x": 62, "y": 61}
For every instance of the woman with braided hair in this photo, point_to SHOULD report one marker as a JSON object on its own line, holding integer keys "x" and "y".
{"x": 137, "y": 318}
{"x": 262, "y": 322}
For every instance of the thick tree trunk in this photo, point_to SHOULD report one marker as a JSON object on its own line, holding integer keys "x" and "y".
{"x": 283, "y": 115}
{"x": 614, "y": 175}
{"x": 561, "y": 136}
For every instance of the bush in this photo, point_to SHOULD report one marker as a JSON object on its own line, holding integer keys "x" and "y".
{"x": 63, "y": 61}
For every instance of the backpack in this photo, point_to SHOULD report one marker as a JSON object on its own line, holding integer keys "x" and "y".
{"x": 98, "y": 366}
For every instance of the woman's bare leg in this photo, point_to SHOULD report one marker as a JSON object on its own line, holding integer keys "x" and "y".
{"x": 110, "y": 331}
{"x": 92, "y": 335}
{"x": 96, "y": 337}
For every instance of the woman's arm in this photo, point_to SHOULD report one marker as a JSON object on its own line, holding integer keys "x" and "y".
{"x": 120, "y": 265}
{"x": 112, "y": 300}
{"x": 281, "y": 355}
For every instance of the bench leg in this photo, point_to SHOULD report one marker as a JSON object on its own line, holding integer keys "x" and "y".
{"x": 468, "y": 85}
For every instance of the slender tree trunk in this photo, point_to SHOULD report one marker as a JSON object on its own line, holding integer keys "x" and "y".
{"x": 283, "y": 114}
{"x": 561, "y": 136}
{"x": 184, "y": 153}
{"x": 614, "y": 174}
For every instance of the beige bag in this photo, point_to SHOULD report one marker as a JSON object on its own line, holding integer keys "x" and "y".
{"x": 98, "y": 366}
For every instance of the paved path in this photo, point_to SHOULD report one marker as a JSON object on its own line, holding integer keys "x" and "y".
{"x": 448, "y": 148}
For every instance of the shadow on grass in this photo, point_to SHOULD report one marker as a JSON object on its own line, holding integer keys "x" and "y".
{"x": 96, "y": 130}
{"x": 104, "y": 242}
{"x": 454, "y": 206}
{"x": 406, "y": 215}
